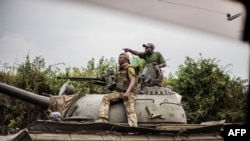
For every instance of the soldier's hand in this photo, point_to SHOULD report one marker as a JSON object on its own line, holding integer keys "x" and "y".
{"x": 125, "y": 96}
{"x": 126, "y": 49}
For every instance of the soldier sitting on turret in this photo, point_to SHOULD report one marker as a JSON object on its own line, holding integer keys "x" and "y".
{"x": 125, "y": 90}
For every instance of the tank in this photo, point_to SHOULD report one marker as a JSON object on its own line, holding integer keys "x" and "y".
{"x": 161, "y": 116}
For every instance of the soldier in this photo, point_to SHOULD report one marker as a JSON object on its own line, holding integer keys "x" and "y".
{"x": 125, "y": 90}
{"x": 150, "y": 56}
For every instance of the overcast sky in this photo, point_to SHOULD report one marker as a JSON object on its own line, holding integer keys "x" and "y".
{"x": 74, "y": 33}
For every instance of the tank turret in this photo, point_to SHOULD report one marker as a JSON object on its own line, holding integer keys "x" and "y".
{"x": 159, "y": 105}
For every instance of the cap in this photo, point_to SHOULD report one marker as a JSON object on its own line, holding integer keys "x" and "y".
{"x": 125, "y": 55}
{"x": 150, "y": 45}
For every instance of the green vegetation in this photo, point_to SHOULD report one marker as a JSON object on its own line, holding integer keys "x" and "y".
{"x": 207, "y": 90}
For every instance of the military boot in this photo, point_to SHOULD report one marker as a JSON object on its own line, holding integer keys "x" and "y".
{"x": 103, "y": 120}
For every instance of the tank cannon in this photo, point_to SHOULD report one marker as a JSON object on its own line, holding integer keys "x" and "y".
{"x": 160, "y": 113}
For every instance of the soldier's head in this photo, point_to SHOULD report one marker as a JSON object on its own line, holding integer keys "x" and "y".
{"x": 149, "y": 48}
{"x": 123, "y": 58}
{"x": 55, "y": 116}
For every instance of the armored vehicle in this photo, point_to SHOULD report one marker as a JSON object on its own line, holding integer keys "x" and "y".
{"x": 160, "y": 113}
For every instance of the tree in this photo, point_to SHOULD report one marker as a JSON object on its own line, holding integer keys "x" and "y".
{"x": 30, "y": 76}
{"x": 208, "y": 91}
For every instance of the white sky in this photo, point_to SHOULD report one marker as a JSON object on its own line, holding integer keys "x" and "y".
{"x": 74, "y": 33}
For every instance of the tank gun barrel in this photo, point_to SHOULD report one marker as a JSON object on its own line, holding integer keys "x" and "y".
{"x": 29, "y": 97}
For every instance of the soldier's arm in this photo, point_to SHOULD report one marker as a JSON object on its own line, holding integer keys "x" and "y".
{"x": 162, "y": 62}
{"x": 134, "y": 52}
{"x": 162, "y": 65}
{"x": 131, "y": 75}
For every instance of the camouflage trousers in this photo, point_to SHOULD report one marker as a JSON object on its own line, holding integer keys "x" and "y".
{"x": 129, "y": 106}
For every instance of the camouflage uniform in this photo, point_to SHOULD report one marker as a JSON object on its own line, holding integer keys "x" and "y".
{"x": 122, "y": 80}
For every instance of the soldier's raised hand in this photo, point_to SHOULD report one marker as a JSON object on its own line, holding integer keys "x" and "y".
{"x": 126, "y": 49}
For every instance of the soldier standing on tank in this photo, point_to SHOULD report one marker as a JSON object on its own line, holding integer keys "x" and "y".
{"x": 150, "y": 56}
{"x": 125, "y": 90}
